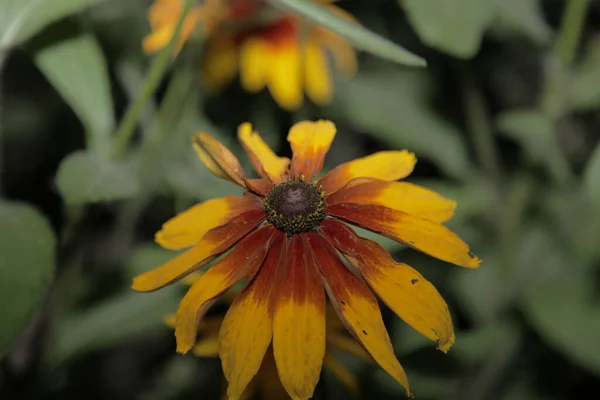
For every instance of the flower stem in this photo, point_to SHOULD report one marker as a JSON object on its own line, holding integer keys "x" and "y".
{"x": 570, "y": 30}
{"x": 157, "y": 69}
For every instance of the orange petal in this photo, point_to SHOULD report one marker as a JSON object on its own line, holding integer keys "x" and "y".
{"x": 317, "y": 76}
{"x": 217, "y": 158}
{"x": 385, "y": 165}
{"x": 299, "y": 323}
{"x": 402, "y": 288}
{"x": 213, "y": 243}
{"x": 247, "y": 328}
{"x": 241, "y": 263}
{"x": 426, "y": 236}
{"x": 260, "y": 187}
{"x": 357, "y": 307}
{"x": 402, "y": 196}
{"x": 206, "y": 346}
{"x": 263, "y": 159}
{"x": 310, "y": 142}
{"x": 188, "y": 227}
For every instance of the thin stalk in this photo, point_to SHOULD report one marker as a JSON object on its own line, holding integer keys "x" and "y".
{"x": 570, "y": 30}
{"x": 157, "y": 69}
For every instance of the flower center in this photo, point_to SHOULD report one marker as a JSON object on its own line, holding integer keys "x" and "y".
{"x": 295, "y": 207}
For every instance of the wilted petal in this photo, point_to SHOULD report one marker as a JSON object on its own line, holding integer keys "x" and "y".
{"x": 429, "y": 237}
{"x": 212, "y": 244}
{"x": 402, "y": 288}
{"x": 401, "y": 196}
{"x": 247, "y": 328}
{"x": 299, "y": 323}
{"x": 241, "y": 263}
{"x": 310, "y": 142}
{"x": 217, "y": 158}
{"x": 357, "y": 307}
{"x": 385, "y": 165}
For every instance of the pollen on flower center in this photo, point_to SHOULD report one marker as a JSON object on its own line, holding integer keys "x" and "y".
{"x": 295, "y": 207}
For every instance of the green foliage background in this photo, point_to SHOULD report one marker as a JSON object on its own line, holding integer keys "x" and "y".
{"x": 95, "y": 155}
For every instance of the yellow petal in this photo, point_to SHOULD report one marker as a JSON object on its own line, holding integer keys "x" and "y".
{"x": 188, "y": 227}
{"x": 402, "y": 196}
{"x": 403, "y": 289}
{"x": 255, "y": 56}
{"x": 317, "y": 75}
{"x": 264, "y": 160}
{"x": 344, "y": 55}
{"x": 299, "y": 324}
{"x": 357, "y": 307}
{"x": 207, "y": 346}
{"x": 247, "y": 328}
{"x": 220, "y": 62}
{"x": 310, "y": 142}
{"x": 213, "y": 243}
{"x": 157, "y": 39}
{"x": 241, "y": 263}
{"x": 385, "y": 165}
{"x": 284, "y": 76}
{"x": 217, "y": 158}
{"x": 429, "y": 237}
{"x": 342, "y": 373}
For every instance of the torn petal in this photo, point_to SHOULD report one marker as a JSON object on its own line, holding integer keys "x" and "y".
{"x": 217, "y": 158}
{"x": 266, "y": 163}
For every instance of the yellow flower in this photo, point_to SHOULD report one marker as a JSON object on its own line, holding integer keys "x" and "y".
{"x": 285, "y": 55}
{"x": 288, "y": 236}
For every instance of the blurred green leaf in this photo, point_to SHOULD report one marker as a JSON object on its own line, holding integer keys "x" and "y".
{"x": 591, "y": 178}
{"x": 524, "y": 17}
{"x": 452, "y": 26}
{"x": 584, "y": 92}
{"x": 359, "y": 36}
{"x": 147, "y": 256}
{"x": 477, "y": 345}
{"x": 21, "y": 19}
{"x": 27, "y": 252}
{"x": 88, "y": 178}
{"x": 77, "y": 69}
{"x": 424, "y": 386}
{"x": 128, "y": 315}
{"x": 564, "y": 312}
{"x": 391, "y": 106}
{"x": 530, "y": 128}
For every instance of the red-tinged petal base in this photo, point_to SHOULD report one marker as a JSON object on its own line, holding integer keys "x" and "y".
{"x": 299, "y": 323}
{"x": 357, "y": 307}
{"x": 427, "y": 236}
{"x": 213, "y": 243}
{"x": 402, "y": 288}
{"x": 242, "y": 263}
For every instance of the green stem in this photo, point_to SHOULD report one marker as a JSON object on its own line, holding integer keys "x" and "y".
{"x": 570, "y": 30}
{"x": 159, "y": 65}
{"x": 480, "y": 130}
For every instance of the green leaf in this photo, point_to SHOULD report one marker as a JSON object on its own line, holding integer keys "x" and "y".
{"x": 27, "y": 252}
{"x": 584, "y": 92}
{"x": 21, "y": 19}
{"x": 452, "y": 26}
{"x": 359, "y": 36}
{"x": 564, "y": 312}
{"x": 77, "y": 69}
{"x": 477, "y": 345}
{"x": 392, "y": 107}
{"x": 88, "y": 178}
{"x": 591, "y": 178}
{"x": 126, "y": 316}
{"x": 530, "y": 128}
{"x": 524, "y": 17}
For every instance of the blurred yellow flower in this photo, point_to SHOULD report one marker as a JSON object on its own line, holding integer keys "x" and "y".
{"x": 288, "y": 236}
{"x": 281, "y": 53}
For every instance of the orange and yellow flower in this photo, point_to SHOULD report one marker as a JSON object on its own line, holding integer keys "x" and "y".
{"x": 283, "y": 54}
{"x": 288, "y": 236}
